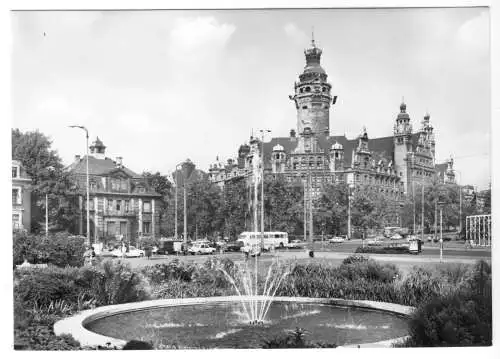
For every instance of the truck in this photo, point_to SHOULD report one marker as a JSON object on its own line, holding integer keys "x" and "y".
{"x": 169, "y": 246}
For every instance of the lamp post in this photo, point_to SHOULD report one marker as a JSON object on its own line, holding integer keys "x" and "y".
{"x": 441, "y": 204}
{"x": 187, "y": 169}
{"x": 349, "y": 199}
{"x": 460, "y": 202}
{"x": 176, "y": 184}
{"x": 262, "y": 132}
{"x": 88, "y": 200}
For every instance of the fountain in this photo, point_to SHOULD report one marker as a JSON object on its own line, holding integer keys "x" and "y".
{"x": 240, "y": 321}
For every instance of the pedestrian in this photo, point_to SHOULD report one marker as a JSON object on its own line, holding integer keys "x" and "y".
{"x": 148, "y": 252}
{"x": 87, "y": 256}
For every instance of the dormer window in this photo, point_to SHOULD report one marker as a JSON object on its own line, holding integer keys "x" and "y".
{"x": 15, "y": 171}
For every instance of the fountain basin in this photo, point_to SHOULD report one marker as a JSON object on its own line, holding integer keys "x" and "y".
{"x": 213, "y": 321}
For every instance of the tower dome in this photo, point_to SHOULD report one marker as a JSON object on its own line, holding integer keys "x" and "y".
{"x": 278, "y": 148}
{"x": 402, "y": 115}
{"x": 337, "y": 146}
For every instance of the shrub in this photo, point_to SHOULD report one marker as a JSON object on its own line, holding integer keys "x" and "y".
{"x": 456, "y": 320}
{"x": 370, "y": 270}
{"x": 180, "y": 289}
{"x": 137, "y": 345}
{"x": 355, "y": 258}
{"x": 419, "y": 286}
{"x": 40, "y": 287}
{"x": 167, "y": 271}
{"x": 383, "y": 250}
{"x": 294, "y": 339}
{"x": 117, "y": 283}
{"x": 60, "y": 249}
{"x": 42, "y": 337}
{"x": 211, "y": 273}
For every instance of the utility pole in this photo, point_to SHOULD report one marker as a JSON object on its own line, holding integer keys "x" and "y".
{"x": 423, "y": 191}
{"x": 46, "y": 215}
{"x": 414, "y": 209}
{"x": 262, "y": 132}
{"x": 441, "y": 234}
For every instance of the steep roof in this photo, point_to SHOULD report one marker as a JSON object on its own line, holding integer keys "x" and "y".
{"x": 98, "y": 167}
{"x": 383, "y": 146}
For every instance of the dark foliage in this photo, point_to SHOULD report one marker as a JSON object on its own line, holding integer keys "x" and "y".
{"x": 60, "y": 249}
{"x": 383, "y": 250}
{"x": 137, "y": 345}
{"x": 293, "y": 340}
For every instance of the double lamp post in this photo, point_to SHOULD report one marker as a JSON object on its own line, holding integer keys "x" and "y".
{"x": 187, "y": 168}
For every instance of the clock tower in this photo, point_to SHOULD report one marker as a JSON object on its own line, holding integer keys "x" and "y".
{"x": 313, "y": 94}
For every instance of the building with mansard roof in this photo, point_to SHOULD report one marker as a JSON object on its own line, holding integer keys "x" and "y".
{"x": 395, "y": 164}
{"x": 122, "y": 204}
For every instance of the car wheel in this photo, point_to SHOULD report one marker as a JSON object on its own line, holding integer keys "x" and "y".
{"x": 281, "y": 245}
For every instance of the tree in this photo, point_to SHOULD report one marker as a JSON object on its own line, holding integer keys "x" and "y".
{"x": 331, "y": 208}
{"x": 371, "y": 209}
{"x": 162, "y": 185}
{"x": 204, "y": 202}
{"x": 44, "y": 166}
{"x": 283, "y": 205}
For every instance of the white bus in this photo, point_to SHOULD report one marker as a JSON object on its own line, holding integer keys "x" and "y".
{"x": 271, "y": 239}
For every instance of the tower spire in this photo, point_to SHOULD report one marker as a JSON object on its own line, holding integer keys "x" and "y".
{"x": 312, "y": 38}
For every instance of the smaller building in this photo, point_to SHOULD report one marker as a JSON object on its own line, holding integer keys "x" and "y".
{"x": 21, "y": 198}
{"x": 122, "y": 203}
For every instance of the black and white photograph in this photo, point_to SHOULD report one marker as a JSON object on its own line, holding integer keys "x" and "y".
{"x": 251, "y": 178}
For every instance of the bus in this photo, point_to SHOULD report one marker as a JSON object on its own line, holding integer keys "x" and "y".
{"x": 271, "y": 239}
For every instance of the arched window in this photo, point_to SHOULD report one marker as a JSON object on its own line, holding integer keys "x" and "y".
{"x": 308, "y": 89}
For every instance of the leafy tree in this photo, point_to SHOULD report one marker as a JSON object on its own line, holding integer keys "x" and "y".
{"x": 162, "y": 185}
{"x": 50, "y": 181}
{"x": 371, "y": 209}
{"x": 283, "y": 205}
{"x": 331, "y": 213}
{"x": 204, "y": 202}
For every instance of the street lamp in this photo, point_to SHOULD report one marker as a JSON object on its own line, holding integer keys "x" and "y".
{"x": 460, "y": 199}
{"x": 349, "y": 199}
{"x": 88, "y": 201}
{"x": 441, "y": 204}
{"x": 262, "y": 132}
{"x": 187, "y": 168}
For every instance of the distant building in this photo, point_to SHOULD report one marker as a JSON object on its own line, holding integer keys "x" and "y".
{"x": 21, "y": 198}
{"x": 122, "y": 204}
{"x": 394, "y": 165}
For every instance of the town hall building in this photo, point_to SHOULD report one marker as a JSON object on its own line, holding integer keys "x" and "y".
{"x": 395, "y": 164}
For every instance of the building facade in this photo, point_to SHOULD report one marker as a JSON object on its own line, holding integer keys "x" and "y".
{"x": 394, "y": 164}
{"x": 21, "y": 198}
{"x": 122, "y": 204}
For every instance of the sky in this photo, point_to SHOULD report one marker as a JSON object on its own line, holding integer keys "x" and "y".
{"x": 158, "y": 87}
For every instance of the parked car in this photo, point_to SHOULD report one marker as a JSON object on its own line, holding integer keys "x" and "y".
{"x": 336, "y": 239}
{"x": 201, "y": 248}
{"x": 252, "y": 250}
{"x": 234, "y": 246}
{"x": 396, "y": 236}
{"x": 296, "y": 244}
{"x": 131, "y": 253}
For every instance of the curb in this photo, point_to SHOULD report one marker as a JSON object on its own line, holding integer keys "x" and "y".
{"x": 75, "y": 325}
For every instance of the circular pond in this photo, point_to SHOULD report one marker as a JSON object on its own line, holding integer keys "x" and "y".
{"x": 224, "y": 325}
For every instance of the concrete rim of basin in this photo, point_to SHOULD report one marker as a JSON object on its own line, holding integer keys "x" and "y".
{"x": 75, "y": 325}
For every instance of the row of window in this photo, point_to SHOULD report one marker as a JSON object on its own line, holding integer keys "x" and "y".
{"x": 375, "y": 180}
{"x": 316, "y": 88}
{"x": 123, "y": 205}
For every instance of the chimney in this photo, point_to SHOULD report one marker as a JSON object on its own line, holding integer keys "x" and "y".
{"x": 292, "y": 133}
{"x": 77, "y": 158}
{"x": 119, "y": 161}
